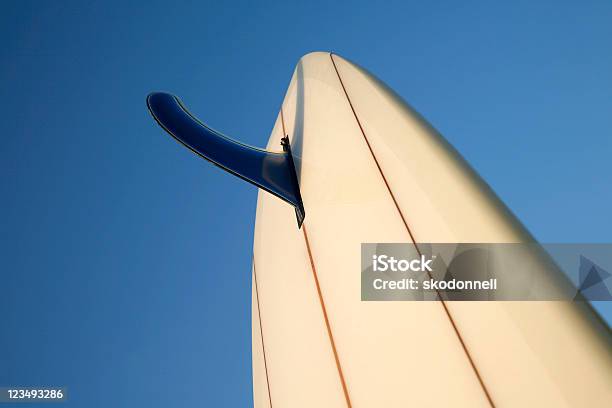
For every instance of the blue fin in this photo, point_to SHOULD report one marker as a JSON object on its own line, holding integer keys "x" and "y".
{"x": 273, "y": 172}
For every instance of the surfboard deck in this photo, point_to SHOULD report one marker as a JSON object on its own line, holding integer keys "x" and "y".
{"x": 370, "y": 169}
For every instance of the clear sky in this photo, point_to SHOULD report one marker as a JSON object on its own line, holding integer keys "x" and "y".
{"x": 126, "y": 260}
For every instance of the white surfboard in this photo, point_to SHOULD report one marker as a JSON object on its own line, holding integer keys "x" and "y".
{"x": 370, "y": 169}
{"x": 358, "y": 165}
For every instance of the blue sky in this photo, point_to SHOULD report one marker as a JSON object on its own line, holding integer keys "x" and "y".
{"x": 126, "y": 261}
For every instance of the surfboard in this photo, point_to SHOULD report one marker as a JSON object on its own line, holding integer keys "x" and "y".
{"x": 357, "y": 164}
{"x": 371, "y": 169}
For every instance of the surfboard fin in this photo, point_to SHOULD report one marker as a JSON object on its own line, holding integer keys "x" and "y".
{"x": 271, "y": 171}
